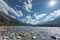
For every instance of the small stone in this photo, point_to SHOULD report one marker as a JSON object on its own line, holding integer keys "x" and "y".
{"x": 53, "y": 37}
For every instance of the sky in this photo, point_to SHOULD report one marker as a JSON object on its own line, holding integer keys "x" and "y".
{"x": 31, "y": 11}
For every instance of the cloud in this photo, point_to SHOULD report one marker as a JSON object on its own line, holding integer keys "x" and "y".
{"x": 3, "y": 6}
{"x": 41, "y": 18}
{"x": 52, "y": 16}
{"x": 19, "y": 13}
{"x": 28, "y": 6}
{"x": 13, "y": 16}
{"x": 30, "y": 20}
{"x": 6, "y": 8}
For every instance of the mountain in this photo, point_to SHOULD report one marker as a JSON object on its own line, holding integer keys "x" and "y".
{"x": 7, "y": 20}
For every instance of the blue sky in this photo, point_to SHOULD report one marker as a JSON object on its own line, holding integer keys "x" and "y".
{"x": 33, "y": 11}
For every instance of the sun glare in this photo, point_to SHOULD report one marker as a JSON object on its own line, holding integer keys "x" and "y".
{"x": 52, "y": 3}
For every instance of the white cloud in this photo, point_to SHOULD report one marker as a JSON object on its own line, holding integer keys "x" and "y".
{"x": 30, "y": 20}
{"x": 39, "y": 16}
{"x": 42, "y": 17}
{"x": 34, "y": 22}
{"x": 19, "y": 13}
{"x": 28, "y": 6}
{"x": 52, "y": 16}
{"x": 5, "y": 8}
{"x": 13, "y": 16}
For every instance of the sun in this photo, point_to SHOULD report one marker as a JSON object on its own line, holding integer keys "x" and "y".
{"x": 52, "y": 3}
